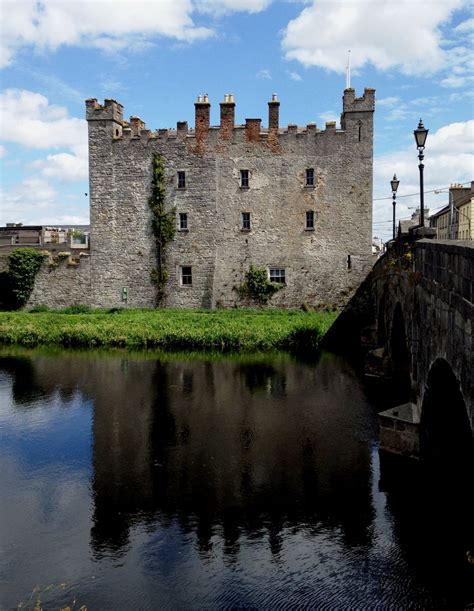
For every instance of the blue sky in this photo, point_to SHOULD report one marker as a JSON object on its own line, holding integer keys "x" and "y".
{"x": 156, "y": 56}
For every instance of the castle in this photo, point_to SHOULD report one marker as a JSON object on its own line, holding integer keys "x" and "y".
{"x": 295, "y": 201}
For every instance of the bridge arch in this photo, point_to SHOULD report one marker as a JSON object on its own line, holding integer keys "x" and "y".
{"x": 382, "y": 318}
{"x": 400, "y": 356}
{"x": 445, "y": 431}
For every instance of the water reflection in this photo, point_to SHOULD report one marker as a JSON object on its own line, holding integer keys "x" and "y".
{"x": 229, "y": 454}
{"x": 248, "y": 482}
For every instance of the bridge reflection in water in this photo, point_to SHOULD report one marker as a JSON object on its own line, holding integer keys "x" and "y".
{"x": 250, "y": 481}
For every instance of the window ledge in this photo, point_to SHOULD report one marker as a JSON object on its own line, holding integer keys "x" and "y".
{"x": 245, "y": 230}
{"x": 182, "y": 230}
{"x": 244, "y": 188}
{"x": 309, "y": 187}
{"x": 180, "y": 188}
{"x": 310, "y": 229}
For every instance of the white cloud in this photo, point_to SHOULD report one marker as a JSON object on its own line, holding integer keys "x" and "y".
{"x": 63, "y": 166}
{"x": 109, "y": 25}
{"x": 389, "y": 102}
{"x": 27, "y": 118}
{"x": 465, "y": 26}
{"x": 264, "y": 74}
{"x": 220, "y": 7}
{"x": 380, "y": 32}
{"x": 449, "y": 158}
{"x": 294, "y": 76}
{"x": 35, "y": 201}
{"x": 329, "y": 115}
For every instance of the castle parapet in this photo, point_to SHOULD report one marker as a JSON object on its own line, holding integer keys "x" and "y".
{"x": 203, "y": 135}
{"x": 110, "y": 111}
{"x": 136, "y": 125}
{"x": 365, "y": 103}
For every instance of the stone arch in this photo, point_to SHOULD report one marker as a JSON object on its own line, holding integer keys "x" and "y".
{"x": 400, "y": 357}
{"x": 381, "y": 318}
{"x": 445, "y": 431}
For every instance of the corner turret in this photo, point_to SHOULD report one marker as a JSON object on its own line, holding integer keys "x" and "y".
{"x": 357, "y": 114}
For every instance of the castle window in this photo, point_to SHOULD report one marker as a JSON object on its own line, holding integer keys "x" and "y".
{"x": 244, "y": 179}
{"x": 186, "y": 275}
{"x": 277, "y": 274}
{"x": 183, "y": 221}
{"x": 309, "y": 177}
{"x": 245, "y": 221}
{"x": 181, "y": 180}
{"x": 310, "y": 219}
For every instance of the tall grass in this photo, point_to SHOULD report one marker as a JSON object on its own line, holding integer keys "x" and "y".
{"x": 222, "y": 330}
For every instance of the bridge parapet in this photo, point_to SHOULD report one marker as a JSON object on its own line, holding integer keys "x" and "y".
{"x": 418, "y": 304}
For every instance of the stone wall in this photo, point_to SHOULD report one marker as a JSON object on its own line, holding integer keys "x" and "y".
{"x": 323, "y": 267}
{"x": 63, "y": 284}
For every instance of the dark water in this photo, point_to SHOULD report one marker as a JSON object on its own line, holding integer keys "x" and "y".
{"x": 163, "y": 482}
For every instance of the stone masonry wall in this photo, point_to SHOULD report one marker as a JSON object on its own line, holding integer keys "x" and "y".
{"x": 323, "y": 267}
{"x": 64, "y": 285}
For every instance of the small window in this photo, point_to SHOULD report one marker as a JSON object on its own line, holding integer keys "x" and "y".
{"x": 277, "y": 274}
{"x": 244, "y": 179}
{"x": 183, "y": 221}
{"x": 246, "y": 225}
{"x": 186, "y": 276}
{"x": 310, "y": 177}
{"x": 181, "y": 180}
{"x": 310, "y": 219}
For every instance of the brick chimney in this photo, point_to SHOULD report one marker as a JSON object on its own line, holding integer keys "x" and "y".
{"x": 227, "y": 116}
{"x": 273, "y": 114}
{"x": 202, "y": 117}
{"x": 252, "y": 129}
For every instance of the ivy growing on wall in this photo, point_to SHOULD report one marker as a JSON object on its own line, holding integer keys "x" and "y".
{"x": 257, "y": 287}
{"x": 163, "y": 226}
{"x": 23, "y": 265}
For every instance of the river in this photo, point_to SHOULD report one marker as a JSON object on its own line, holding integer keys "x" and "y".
{"x": 156, "y": 481}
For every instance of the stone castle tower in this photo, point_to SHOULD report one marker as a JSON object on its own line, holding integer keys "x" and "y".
{"x": 295, "y": 201}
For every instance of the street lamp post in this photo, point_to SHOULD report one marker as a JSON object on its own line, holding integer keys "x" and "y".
{"x": 394, "y": 184}
{"x": 421, "y": 134}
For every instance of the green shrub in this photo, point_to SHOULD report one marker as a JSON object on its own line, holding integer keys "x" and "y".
{"x": 37, "y": 309}
{"x": 163, "y": 224}
{"x": 78, "y": 308}
{"x": 23, "y": 265}
{"x": 257, "y": 286}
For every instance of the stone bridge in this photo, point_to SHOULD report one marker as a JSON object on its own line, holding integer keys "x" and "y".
{"x": 415, "y": 310}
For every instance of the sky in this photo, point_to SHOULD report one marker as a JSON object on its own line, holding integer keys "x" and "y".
{"x": 156, "y": 56}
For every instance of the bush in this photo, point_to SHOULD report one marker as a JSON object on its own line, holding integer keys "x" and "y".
{"x": 257, "y": 286}
{"x": 78, "y": 308}
{"x": 23, "y": 265}
{"x": 37, "y": 309}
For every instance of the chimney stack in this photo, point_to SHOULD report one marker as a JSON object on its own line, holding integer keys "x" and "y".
{"x": 227, "y": 116}
{"x": 273, "y": 114}
{"x": 202, "y": 117}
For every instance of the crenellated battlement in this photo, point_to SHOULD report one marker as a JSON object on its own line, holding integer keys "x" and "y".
{"x": 366, "y": 103}
{"x": 109, "y": 111}
{"x": 227, "y": 131}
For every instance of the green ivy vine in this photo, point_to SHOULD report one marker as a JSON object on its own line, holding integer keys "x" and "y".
{"x": 163, "y": 226}
{"x": 257, "y": 286}
{"x": 23, "y": 265}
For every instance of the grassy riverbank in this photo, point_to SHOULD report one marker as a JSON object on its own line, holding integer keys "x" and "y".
{"x": 222, "y": 330}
